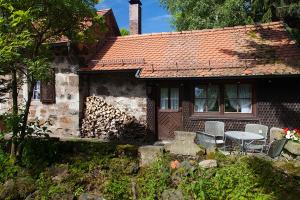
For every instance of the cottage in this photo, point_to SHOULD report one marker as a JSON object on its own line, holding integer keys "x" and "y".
{"x": 179, "y": 80}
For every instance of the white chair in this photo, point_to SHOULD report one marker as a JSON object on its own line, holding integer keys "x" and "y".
{"x": 257, "y": 145}
{"x": 213, "y": 135}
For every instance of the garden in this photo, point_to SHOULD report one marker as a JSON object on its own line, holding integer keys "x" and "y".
{"x": 52, "y": 169}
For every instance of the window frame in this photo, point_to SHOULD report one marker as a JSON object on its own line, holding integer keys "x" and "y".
{"x": 169, "y": 99}
{"x": 222, "y": 114}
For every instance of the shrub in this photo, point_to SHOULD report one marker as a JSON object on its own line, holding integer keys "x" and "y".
{"x": 7, "y": 167}
{"x": 153, "y": 180}
{"x": 118, "y": 188}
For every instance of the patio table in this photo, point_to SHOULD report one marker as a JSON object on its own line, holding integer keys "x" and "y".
{"x": 242, "y": 137}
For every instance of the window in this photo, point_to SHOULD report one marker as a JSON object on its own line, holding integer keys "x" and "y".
{"x": 238, "y": 98}
{"x": 37, "y": 91}
{"x": 223, "y": 99}
{"x": 169, "y": 98}
{"x": 207, "y": 98}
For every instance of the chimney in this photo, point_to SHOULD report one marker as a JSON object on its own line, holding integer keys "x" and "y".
{"x": 135, "y": 17}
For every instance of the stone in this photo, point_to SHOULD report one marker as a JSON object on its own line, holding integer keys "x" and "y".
{"x": 183, "y": 144}
{"x": 87, "y": 196}
{"x": 18, "y": 188}
{"x": 287, "y": 155}
{"x": 172, "y": 194}
{"x": 293, "y": 148}
{"x": 276, "y": 134}
{"x": 58, "y": 173}
{"x": 149, "y": 154}
{"x": 297, "y": 164}
{"x": 208, "y": 164}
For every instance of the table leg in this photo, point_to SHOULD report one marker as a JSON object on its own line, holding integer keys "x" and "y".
{"x": 242, "y": 147}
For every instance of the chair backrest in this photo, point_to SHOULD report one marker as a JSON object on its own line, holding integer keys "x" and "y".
{"x": 214, "y": 128}
{"x": 276, "y": 148}
{"x": 257, "y": 128}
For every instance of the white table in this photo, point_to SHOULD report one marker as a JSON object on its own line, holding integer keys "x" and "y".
{"x": 243, "y": 136}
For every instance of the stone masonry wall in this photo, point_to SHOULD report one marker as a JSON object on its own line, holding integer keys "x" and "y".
{"x": 123, "y": 91}
{"x": 64, "y": 114}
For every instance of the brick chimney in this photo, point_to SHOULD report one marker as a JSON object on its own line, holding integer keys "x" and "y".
{"x": 135, "y": 17}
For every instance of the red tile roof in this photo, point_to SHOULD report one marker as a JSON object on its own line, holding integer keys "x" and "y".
{"x": 253, "y": 50}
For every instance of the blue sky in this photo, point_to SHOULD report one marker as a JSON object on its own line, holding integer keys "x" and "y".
{"x": 155, "y": 18}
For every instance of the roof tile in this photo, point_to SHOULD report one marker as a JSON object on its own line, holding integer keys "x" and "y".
{"x": 264, "y": 49}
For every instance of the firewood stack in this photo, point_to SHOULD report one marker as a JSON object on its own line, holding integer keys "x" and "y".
{"x": 104, "y": 121}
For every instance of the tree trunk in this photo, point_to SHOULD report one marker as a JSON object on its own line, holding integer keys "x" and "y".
{"x": 31, "y": 83}
{"x": 15, "y": 113}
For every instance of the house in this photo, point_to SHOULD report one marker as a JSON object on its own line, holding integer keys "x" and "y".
{"x": 179, "y": 80}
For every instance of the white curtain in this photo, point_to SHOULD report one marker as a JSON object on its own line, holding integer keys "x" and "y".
{"x": 174, "y": 98}
{"x": 200, "y": 105}
{"x": 231, "y": 95}
{"x": 245, "y": 96}
{"x": 164, "y": 98}
{"x": 213, "y": 96}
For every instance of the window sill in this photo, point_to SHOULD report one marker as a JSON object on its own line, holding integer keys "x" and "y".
{"x": 240, "y": 117}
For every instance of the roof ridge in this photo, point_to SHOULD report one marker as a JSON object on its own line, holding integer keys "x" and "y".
{"x": 201, "y": 31}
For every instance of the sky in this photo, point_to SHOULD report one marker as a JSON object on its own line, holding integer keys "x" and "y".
{"x": 154, "y": 18}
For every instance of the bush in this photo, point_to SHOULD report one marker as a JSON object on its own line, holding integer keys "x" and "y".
{"x": 7, "y": 167}
{"x": 118, "y": 188}
{"x": 246, "y": 178}
{"x": 153, "y": 180}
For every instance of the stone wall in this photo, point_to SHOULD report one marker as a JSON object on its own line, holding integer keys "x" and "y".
{"x": 64, "y": 114}
{"x": 123, "y": 91}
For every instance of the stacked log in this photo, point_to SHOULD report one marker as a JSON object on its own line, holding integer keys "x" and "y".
{"x": 104, "y": 121}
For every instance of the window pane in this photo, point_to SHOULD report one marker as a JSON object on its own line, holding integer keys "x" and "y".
{"x": 230, "y": 91}
{"x": 200, "y": 92}
{"x": 213, "y": 105}
{"x": 245, "y": 105}
{"x": 174, "y": 98}
{"x": 231, "y": 105}
{"x": 213, "y": 92}
{"x": 37, "y": 91}
{"x": 164, "y": 98}
{"x": 245, "y": 91}
{"x": 200, "y": 105}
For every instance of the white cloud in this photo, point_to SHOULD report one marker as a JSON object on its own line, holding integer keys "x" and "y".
{"x": 160, "y": 17}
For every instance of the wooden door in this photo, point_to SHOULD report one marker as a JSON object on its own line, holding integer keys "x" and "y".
{"x": 169, "y": 114}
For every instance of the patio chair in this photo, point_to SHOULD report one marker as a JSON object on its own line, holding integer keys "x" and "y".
{"x": 259, "y": 145}
{"x": 212, "y": 136}
{"x": 275, "y": 148}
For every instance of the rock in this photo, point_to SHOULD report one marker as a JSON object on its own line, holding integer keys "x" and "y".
{"x": 183, "y": 144}
{"x": 293, "y": 148}
{"x": 287, "y": 155}
{"x": 149, "y": 154}
{"x": 87, "y": 196}
{"x": 208, "y": 164}
{"x": 172, "y": 195}
{"x": 276, "y": 134}
{"x": 18, "y": 188}
{"x": 58, "y": 173}
{"x": 297, "y": 164}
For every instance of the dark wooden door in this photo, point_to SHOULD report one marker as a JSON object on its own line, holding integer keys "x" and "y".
{"x": 169, "y": 114}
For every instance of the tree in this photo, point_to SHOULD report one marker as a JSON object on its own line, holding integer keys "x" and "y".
{"x": 124, "y": 32}
{"x": 27, "y": 29}
{"x": 201, "y": 14}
